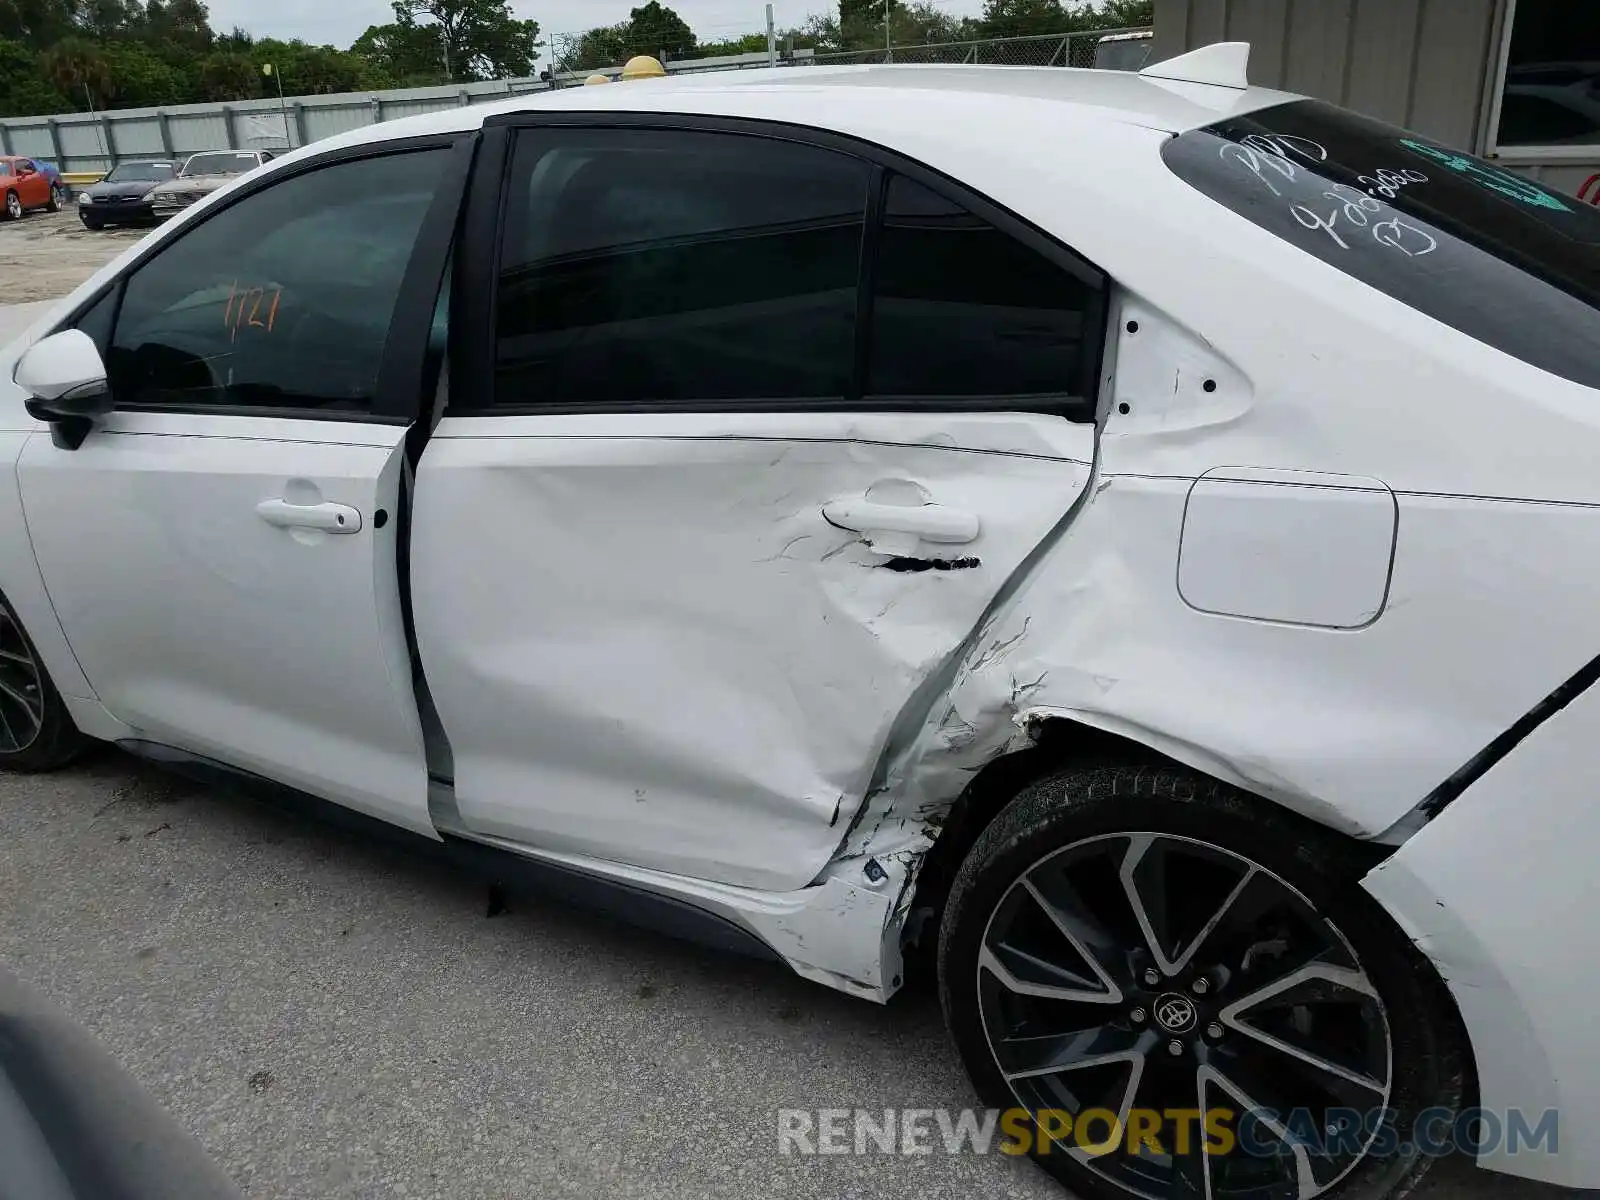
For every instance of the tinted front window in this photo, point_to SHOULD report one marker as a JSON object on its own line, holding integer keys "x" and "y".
{"x": 645, "y": 266}
{"x": 1468, "y": 243}
{"x": 961, "y": 309}
{"x": 281, "y": 300}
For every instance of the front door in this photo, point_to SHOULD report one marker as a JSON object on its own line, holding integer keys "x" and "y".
{"x": 221, "y": 550}
{"x": 33, "y": 185}
{"x": 722, "y": 508}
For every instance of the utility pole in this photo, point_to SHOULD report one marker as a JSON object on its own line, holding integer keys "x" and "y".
{"x": 888, "y": 40}
{"x": 772, "y": 40}
{"x": 105, "y": 150}
{"x": 277, "y": 77}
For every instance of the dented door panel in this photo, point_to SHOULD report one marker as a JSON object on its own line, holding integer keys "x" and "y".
{"x": 654, "y": 648}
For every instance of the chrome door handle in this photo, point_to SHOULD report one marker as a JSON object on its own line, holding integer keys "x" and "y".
{"x": 330, "y": 518}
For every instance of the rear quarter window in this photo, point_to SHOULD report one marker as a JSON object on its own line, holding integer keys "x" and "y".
{"x": 1490, "y": 253}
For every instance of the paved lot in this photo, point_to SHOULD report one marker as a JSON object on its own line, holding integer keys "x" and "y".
{"x": 45, "y": 255}
{"x": 337, "y": 1019}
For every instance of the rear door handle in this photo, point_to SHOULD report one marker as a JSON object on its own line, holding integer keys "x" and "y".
{"x": 328, "y": 517}
{"x": 900, "y": 528}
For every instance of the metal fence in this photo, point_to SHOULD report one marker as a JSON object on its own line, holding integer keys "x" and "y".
{"x": 92, "y": 143}
{"x": 1119, "y": 49}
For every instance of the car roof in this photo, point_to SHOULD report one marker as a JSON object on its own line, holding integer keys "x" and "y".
{"x": 1074, "y": 152}
{"x": 871, "y": 101}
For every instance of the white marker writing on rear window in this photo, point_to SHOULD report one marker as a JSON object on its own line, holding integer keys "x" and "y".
{"x": 1267, "y": 157}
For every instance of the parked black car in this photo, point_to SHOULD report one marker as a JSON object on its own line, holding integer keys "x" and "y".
{"x": 124, "y": 194}
{"x": 73, "y": 1126}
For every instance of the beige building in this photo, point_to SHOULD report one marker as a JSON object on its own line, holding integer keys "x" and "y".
{"x": 1515, "y": 80}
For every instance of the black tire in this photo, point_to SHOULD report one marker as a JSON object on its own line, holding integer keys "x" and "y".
{"x": 55, "y": 741}
{"x": 54, "y": 204}
{"x": 1082, "y": 839}
{"x": 11, "y": 209}
{"x": 91, "y": 223}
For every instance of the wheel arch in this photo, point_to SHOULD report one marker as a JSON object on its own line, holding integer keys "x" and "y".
{"x": 22, "y": 587}
{"x": 1060, "y": 742}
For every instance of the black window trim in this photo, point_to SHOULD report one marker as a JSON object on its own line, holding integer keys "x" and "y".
{"x": 473, "y": 354}
{"x": 406, "y": 342}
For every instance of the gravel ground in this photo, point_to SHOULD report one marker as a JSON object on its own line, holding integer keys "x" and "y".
{"x": 333, "y": 1018}
{"x": 338, "y": 1019}
{"x": 46, "y": 255}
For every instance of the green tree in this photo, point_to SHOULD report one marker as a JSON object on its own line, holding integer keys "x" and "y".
{"x": 479, "y": 39}
{"x": 77, "y": 68}
{"x": 655, "y": 29}
{"x": 107, "y": 20}
{"x": 924, "y": 23}
{"x": 1120, "y": 14}
{"x": 1023, "y": 18}
{"x": 35, "y": 24}
{"x": 750, "y": 43}
{"x": 870, "y": 11}
{"x": 603, "y": 47}
{"x": 143, "y": 78}
{"x": 408, "y": 55}
{"x": 229, "y": 75}
{"x": 308, "y": 70}
{"x": 24, "y": 91}
{"x": 179, "y": 24}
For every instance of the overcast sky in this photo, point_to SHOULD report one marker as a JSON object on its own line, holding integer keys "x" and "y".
{"x": 339, "y": 24}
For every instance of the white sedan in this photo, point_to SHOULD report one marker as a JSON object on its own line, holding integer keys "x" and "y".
{"x": 1129, "y": 533}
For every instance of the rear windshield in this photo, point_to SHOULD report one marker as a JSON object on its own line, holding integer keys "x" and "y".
{"x": 219, "y": 164}
{"x": 1491, "y": 253}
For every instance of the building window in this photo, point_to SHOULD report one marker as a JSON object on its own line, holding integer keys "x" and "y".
{"x": 1550, "y": 93}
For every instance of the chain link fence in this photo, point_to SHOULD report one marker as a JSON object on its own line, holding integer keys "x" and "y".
{"x": 1113, "y": 49}
{"x": 1116, "y": 49}
{"x": 88, "y": 144}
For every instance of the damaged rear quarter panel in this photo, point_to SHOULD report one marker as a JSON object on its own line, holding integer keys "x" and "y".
{"x": 1349, "y": 726}
{"x": 1499, "y": 893}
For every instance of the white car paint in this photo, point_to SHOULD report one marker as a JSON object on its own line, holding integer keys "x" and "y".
{"x": 1299, "y": 547}
{"x": 196, "y": 618}
{"x": 767, "y": 653}
{"x": 1514, "y": 940}
{"x": 791, "y": 777}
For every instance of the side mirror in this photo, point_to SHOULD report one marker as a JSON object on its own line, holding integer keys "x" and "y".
{"x": 66, "y": 385}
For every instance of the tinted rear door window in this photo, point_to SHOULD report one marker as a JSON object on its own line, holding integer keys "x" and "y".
{"x": 1491, "y": 253}
{"x": 961, "y": 309}
{"x": 646, "y": 266}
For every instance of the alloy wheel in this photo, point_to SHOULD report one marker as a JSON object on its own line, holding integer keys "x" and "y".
{"x": 14, "y": 206}
{"x": 1143, "y": 972}
{"x": 21, "y": 688}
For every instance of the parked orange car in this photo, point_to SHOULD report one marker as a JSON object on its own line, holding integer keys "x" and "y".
{"x": 24, "y": 186}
